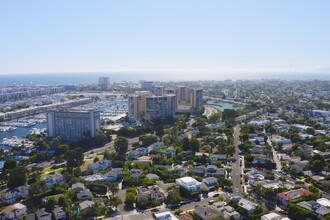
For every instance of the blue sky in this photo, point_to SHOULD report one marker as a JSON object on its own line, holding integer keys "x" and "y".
{"x": 181, "y": 35}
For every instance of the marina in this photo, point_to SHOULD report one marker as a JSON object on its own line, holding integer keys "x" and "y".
{"x": 222, "y": 105}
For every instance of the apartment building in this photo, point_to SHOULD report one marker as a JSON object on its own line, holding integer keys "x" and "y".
{"x": 73, "y": 125}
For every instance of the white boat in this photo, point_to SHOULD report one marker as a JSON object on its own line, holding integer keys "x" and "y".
{"x": 11, "y": 129}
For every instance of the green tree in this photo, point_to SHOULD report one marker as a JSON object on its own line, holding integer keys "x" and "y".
{"x": 316, "y": 166}
{"x": 129, "y": 198}
{"x": 100, "y": 139}
{"x": 176, "y": 198}
{"x": 310, "y": 131}
{"x": 121, "y": 146}
{"x": 229, "y": 114}
{"x": 194, "y": 144}
{"x": 50, "y": 203}
{"x": 108, "y": 156}
{"x": 230, "y": 150}
{"x": 215, "y": 117}
{"x": 61, "y": 149}
{"x": 75, "y": 157}
{"x": 147, "y": 139}
{"x": 9, "y": 164}
{"x": 65, "y": 201}
{"x": 37, "y": 188}
{"x": 159, "y": 130}
{"x": 17, "y": 177}
{"x": 218, "y": 163}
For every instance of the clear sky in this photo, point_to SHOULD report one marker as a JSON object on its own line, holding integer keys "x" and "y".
{"x": 121, "y": 35}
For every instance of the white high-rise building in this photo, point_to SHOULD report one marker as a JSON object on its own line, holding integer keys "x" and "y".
{"x": 159, "y": 90}
{"x": 73, "y": 125}
{"x": 137, "y": 105}
{"x": 196, "y": 98}
{"x": 160, "y": 107}
{"x": 182, "y": 94}
{"x": 104, "y": 82}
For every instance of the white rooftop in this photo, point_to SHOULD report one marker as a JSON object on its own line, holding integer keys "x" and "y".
{"x": 188, "y": 180}
{"x": 323, "y": 201}
{"x": 165, "y": 216}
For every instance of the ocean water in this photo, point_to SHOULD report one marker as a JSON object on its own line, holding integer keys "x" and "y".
{"x": 83, "y": 78}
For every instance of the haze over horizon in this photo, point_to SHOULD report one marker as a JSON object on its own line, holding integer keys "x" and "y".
{"x": 241, "y": 37}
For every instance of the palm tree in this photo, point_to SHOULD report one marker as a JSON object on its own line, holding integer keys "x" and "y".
{"x": 113, "y": 187}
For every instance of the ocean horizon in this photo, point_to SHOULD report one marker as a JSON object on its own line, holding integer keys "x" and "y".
{"x": 92, "y": 77}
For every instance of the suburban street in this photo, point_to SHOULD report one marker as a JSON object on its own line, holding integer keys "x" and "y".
{"x": 236, "y": 171}
{"x": 275, "y": 157}
{"x": 147, "y": 214}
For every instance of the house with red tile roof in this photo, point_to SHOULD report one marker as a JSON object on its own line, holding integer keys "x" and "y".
{"x": 285, "y": 197}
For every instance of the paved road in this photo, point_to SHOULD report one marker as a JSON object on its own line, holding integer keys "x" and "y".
{"x": 237, "y": 170}
{"x": 189, "y": 206}
{"x": 209, "y": 110}
{"x": 275, "y": 157}
{"x": 109, "y": 147}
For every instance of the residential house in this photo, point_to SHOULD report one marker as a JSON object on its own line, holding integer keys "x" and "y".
{"x": 201, "y": 154}
{"x": 12, "y": 196}
{"x": 210, "y": 184}
{"x": 323, "y": 201}
{"x": 152, "y": 176}
{"x": 120, "y": 173}
{"x": 139, "y": 152}
{"x": 185, "y": 216}
{"x": 247, "y": 205}
{"x": 163, "y": 167}
{"x": 13, "y": 211}
{"x": 299, "y": 166}
{"x": 210, "y": 169}
{"x": 51, "y": 180}
{"x": 56, "y": 197}
{"x": 169, "y": 188}
{"x": 257, "y": 140}
{"x": 167, "y": 215}
{"x": 98, "y": 166}
{"x": 181, "y": 169}
{"x": 85, "y": 195}
{"x": 168, "y": 152}
{"x": 157, "y": 145}
{"x": 217, "y": 125}
{"x": 320, "y": 210}
{"x": 143, "y": 160}
{"x": 258, "y": 150}
{"x": 85, "y": 205}
{"x": 59, "y": 213}
{"x": 198, "y": 171}
{"x": 41, "y": 214}
{"x": 78, "y": 186}
{"x": 281, "y": 140}
{"x": 220, "y": 172}
{"x": 150, "y": 193}
{"x": 135, "y": 173}
{"x": 215, "y": 157}
{"x": 206, "y": 212}
{"x": 271, "y": 216}
{"x": 227, "y": 212}
{"x": 285, "y": 197}
{"x": 116, "y": 174}
{"x": 189, "y": 183}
